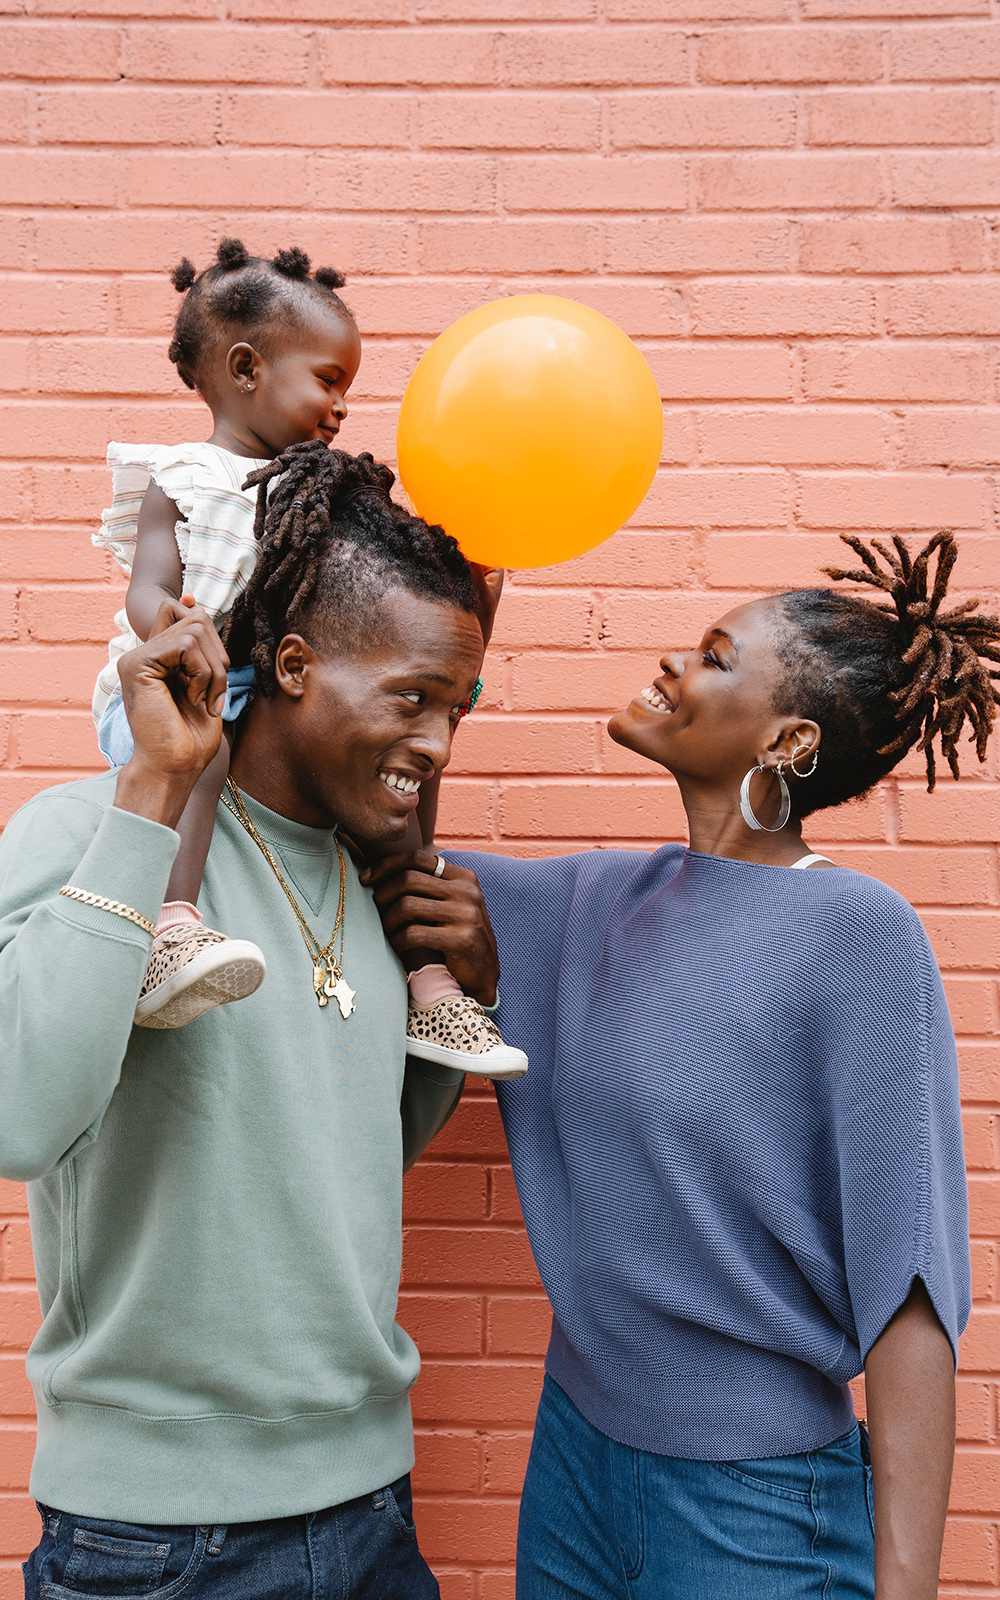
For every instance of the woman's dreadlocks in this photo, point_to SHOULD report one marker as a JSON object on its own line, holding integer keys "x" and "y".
{"x": 332, "y": 543}
{"x": 883, "y": 679}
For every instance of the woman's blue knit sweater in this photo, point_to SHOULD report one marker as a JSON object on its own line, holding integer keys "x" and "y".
{"x": 739, "y": 1141}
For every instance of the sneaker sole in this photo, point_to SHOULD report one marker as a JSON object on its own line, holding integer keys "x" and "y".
{"x": 229, "y": 972}
{"x": 504, "y": 1062}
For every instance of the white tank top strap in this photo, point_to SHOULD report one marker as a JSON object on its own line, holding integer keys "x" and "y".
{"x": 807, "y": 861}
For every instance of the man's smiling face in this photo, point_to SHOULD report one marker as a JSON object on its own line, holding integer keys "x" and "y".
{"x": 362, "y": 729}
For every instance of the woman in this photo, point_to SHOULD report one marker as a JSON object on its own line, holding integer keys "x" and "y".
{"x": 738, "y": 1148}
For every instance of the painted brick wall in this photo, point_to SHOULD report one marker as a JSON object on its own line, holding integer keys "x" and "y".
{"x": 793, "y": 206}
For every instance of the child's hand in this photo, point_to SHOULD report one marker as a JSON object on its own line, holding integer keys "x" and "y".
{"x": 489, "y": 586}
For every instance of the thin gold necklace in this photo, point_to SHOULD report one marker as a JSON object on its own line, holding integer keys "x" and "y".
{"x": 328, "y": 972}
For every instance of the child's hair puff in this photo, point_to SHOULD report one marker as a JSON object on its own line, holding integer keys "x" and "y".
{"x": 246, "y": 296}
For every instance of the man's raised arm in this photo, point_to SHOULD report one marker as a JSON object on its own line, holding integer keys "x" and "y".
{"x": 72, "y": 963}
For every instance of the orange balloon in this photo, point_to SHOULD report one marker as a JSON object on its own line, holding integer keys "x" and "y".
{"x": 530, "y": 431}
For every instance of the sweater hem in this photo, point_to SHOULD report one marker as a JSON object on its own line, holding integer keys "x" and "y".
{"x": 101, "y": 1461}
{"x": 732, "y": 1424}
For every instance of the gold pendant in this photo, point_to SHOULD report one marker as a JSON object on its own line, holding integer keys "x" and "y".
{"x": 330, "y": 984}
{"x": 320, "y": 979}
{"x": 342, "y": 992}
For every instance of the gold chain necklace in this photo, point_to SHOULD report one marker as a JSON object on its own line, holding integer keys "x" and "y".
{"x": 328, "y": 972}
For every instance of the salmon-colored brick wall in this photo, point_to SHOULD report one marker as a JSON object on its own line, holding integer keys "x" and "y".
{"x": 793, "y": 206}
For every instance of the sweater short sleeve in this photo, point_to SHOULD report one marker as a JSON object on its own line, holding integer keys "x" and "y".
{"x": 893, "y": 1085}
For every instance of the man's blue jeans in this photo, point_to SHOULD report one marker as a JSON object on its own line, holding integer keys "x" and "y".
{"x": 365, "y": 1549}
{"x": 601, "y": 1521}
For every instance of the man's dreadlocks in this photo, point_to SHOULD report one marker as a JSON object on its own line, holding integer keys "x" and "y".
{"x": 332, "y": 543}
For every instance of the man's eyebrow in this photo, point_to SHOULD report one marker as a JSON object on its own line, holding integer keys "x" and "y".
{"x": 436, "y": 677}
{"x": 720, "y": 633}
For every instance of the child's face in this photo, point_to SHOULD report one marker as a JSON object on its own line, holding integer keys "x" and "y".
{"x": 299, "y": 390}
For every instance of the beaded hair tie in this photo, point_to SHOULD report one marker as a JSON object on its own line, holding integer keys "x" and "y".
{"x": 469, "y": 705}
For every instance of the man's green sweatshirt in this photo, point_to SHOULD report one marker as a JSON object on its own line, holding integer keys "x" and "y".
{"x": 215, "y": 1209}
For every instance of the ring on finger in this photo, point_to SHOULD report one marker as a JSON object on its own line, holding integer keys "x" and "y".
{"x": 439, "y": 867}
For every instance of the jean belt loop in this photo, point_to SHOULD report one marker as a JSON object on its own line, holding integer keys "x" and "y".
{"x": 866, "y": 1454}
{"x": 218, "y": 1539}
{"x": 378, "y": 1500}
{"x": 51, "y": 1521}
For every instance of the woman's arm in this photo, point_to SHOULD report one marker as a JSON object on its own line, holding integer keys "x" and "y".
{"x": 157, "y": 573}
{"x": 910, "y": 1387}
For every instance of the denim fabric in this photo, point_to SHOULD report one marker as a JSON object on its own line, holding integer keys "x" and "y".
{"x": 114, "y": 736}
{"x": 365, "y": 1549}
{"x": 603, "y": 1521}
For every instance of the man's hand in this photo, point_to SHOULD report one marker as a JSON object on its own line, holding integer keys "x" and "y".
{"x": 422, "y": 912}
{"x": 174, "y": 688}
{"x": 170, "y": 611}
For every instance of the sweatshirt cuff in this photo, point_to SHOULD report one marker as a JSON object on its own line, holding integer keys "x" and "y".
{"x": 129, "y": 860}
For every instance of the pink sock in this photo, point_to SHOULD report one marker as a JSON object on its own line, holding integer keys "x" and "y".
{"x": 173, "y": 912}
{"x": 430, "y": 984}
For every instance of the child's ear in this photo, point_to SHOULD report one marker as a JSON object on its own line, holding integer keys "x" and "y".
{"x": 243, "y": 367}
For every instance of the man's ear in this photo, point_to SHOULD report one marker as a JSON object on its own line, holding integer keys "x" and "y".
{"x": 292, "y": 661}
{"x": 243, "y": 366}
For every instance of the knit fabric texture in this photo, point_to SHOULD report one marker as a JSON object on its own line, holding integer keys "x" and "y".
{"x": 739, "y": 1141}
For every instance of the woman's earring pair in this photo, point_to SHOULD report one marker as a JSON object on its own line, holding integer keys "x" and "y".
{"x": 786, "y": 800}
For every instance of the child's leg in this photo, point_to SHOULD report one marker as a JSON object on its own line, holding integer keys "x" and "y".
{"x": 445, "y": 1025}
{"x": 427, "y": 976}
{"x": 195, "y": 828}
{"x": 192, "y": 968}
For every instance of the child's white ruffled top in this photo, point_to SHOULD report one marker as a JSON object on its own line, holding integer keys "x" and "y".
{"x": 214, "y": 529}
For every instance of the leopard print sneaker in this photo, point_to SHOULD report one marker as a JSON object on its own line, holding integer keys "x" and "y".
{"x": 191, "y": 969}
{"x": 456, "y": 1032}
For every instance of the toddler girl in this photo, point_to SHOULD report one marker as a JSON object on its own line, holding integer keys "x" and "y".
{"x": 272, "y": 349}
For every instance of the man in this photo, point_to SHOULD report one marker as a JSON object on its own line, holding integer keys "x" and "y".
{"x": 222, "y": 1389}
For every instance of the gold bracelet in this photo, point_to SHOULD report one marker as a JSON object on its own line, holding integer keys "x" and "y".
{"x": 116, "y": 906}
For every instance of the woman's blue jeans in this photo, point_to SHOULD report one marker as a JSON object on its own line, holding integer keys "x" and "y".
{"x": 361, "y": 1550}
{"x": 601, "y": 1521}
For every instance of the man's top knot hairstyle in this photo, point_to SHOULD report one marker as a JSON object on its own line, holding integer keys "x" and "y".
{"x": 241, "y": 296}
{"x": 884, "y": 679}
{"x": 332, "y": 543}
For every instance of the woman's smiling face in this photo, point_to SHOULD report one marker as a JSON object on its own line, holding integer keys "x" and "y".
{"x": 710, "y": 714}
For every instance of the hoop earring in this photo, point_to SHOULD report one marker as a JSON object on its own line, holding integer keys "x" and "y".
{"x": 811, "y": 770}
{"x": 747, "y": 809}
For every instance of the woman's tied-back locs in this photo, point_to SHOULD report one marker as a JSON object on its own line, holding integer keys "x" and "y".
{"x": 948, "y": 679}
{"x": 881, "y": 679}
